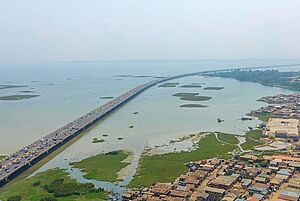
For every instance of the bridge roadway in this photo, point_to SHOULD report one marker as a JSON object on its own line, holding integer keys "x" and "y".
{"x": 21, "y": 160}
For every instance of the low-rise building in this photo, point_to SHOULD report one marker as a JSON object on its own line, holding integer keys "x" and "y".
{"x": 282, "y": 128}
{"x": 214, "y": 193}
{"x": 259, "y": 188}
{"x": 224, "y": 182}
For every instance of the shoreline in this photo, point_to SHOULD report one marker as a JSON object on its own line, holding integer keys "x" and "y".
{"x": 29, "y": 172}
{"x": 124, "y": 171}
{"x": 55, "y": 153}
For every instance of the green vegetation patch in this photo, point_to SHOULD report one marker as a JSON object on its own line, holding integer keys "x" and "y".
{"x": 263, "y": 117}
{"x": 252, "y": 139}
{"x": 103, "y": 167}
{"x": 185, "y": 94}
{"x": 167, "y": 167}
{"x": 196, "y": 98}
{"x": 273, "y": 78}
{"x": 106, "y": 97}
{"x": 193, "y": 85}
{"x": 193, "y": 105}
{"x": 192, "y": 97}
{"x": 213, "y": 88}
{"x": 96, "y": 140}
{"x": 254, "y": 134}
{"x": 228, "y": 138}
{"x": 4, "y": 86}
{"x": 169, "y": 84}
{"x": 1, "y": 157}
{"x": 55, "y": 184}
{"x": 17, "y": 97}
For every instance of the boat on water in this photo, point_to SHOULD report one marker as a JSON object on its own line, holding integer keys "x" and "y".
{"x": 219, "y": 120}
{"x": 246, "y": 118}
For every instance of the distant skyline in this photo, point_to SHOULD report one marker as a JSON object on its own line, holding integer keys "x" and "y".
{"x": 98, "y": 30}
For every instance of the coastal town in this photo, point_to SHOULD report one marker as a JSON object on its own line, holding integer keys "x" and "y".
{"x": 280, "y": 105}
{"x": 265, "y": 173}
{"x": 250, "y": 178}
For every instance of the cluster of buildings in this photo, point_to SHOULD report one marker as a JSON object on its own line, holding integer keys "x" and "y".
{"x": 250, "y": 178}
{"x": 284, "y": 113}
{"x": 281, "y": 106}
{"x": 281, "y": 99}
{"x": 282, "y": 129}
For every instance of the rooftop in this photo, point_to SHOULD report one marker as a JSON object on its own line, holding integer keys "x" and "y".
{"x": 289, "y": 127}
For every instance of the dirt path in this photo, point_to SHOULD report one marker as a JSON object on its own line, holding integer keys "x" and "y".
{"x": 217, "y": 137}
{"x": 123, "y": 172}
{"x": 241, "y": 141}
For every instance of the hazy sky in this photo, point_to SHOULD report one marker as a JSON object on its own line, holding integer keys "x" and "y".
{"x": 64, "y": 30}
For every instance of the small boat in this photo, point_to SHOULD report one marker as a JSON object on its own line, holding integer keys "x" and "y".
{"x": 219, "y": 120}
{"x": 246, "y": 119}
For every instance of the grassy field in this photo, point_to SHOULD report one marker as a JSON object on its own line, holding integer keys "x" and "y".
{"x": 263, "y": 117}
{"x": 194, "y": 105}
{"x": 167, "y": 167}
{"x": 252, "y": 138}
{"x": 45, "y": 160}
{"x": 103, "y": 167}
{"x": 34, "y": 188}
{"x": 229, "y": 138}
{"x": 254, "y": 134}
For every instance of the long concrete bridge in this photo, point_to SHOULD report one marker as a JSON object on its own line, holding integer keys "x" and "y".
{"x": 16, "y": 163}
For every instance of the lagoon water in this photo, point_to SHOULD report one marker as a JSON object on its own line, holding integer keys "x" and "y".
{"x": 71, "y": 89}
